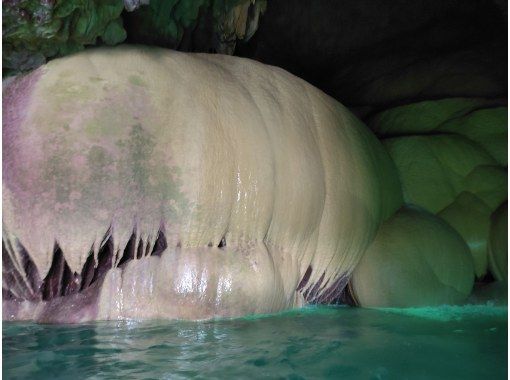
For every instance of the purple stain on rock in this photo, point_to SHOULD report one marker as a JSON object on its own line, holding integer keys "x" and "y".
{"x": 17, "y": 96}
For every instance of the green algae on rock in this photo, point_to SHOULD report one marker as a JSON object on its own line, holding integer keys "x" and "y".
{"x": 37, "y": 30}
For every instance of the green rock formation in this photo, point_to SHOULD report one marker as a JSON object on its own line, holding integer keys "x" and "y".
{"x": 470, "y": 216}
{"x": 498, "y": 243}
{"x": 216, "y": 24}
{"x": 35, "y": 31}
{"x": 483, "y": 121}
{"x": 451, "y": 156}
{"x": 416, "y": 259}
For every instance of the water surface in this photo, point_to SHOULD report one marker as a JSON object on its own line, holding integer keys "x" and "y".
{"x": 468, "y": 342}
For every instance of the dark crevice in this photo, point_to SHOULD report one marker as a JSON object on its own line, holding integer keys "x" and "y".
{"x": 310, "y": 296}
{"x": 160, "y": 244}
{"x": 29, "y": 267}
{"x": 87, "y": 272}
{"x": 140, "y": 251}
{"x": 11, "y": 276}
{"x": 60, "y": 280}
{"x": 11, "y": 273}
{"x": 9, "y": 279}
{"x": 129, "y": 251}
{"x": 333, "y": 294}
{"x": 52, "y": 284}
{"x": 147, "y": 247}
{"x": 305, "y": 278}
{"x": 8, "y": 295}
{"x": 223, "y": 242}
{"x": 104, "y": 260}
{"x": 347, "y": 297}
{"x": 486, "y": 279}
{"x": 70, "y": 282}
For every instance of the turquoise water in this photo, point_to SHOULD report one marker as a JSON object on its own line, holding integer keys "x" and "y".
{"x": 324, "y": 342}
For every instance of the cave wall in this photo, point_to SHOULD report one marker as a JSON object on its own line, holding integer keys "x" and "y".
{"x": 429, "y": 77}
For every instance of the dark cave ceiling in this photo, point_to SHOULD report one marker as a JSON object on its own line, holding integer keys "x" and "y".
{"x": 368, "y": 54}
{"x": 381, "y": 53}
{"x": 387, "y": 52}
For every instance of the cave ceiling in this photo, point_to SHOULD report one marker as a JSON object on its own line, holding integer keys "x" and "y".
{"x": 368, "y": 54}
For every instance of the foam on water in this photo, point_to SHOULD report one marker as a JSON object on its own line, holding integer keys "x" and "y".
{"x": 452, "y": 313}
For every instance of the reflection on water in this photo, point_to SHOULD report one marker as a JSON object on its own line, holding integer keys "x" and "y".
{"x": 309, "y": 343}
